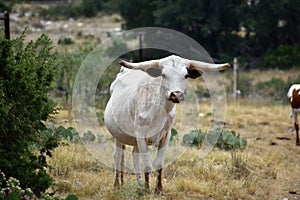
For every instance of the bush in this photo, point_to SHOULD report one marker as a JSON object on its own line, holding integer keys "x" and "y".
{"x": 88, "y": 137}
{"x": 68, "y": 65}
{"x": 282, "y": 57}
{"x": 245, "y": 85}
{"x": 85, "y": 8}
{"x": 61, "y": 133}
{"x": 65, "y": 41}
{"x": 228, "y": 140}
{"x": 10, "y": 190}
{"x": 26, "y": 75}
{"x": 174, "y": 136}
{"x": 275, "y": 88}
{"x": 194, "y": 138}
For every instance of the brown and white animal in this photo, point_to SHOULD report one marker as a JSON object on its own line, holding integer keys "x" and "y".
{"x": 294, "y": 99}
{"x": 141, "y": 110}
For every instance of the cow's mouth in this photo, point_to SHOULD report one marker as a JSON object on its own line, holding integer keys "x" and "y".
{"x": 176, "y": 97}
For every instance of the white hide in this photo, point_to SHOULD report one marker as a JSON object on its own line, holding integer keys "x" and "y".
{"x": 139, "y": 103}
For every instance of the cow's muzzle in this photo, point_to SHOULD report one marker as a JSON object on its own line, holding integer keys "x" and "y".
{"x": 176, "y": 97}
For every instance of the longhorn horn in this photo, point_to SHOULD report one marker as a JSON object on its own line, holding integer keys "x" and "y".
{"x": 140, "y": 65}
{"x": 203, "y": 66}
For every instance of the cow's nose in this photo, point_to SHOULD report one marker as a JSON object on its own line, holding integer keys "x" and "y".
{"x": 176, "y": 97}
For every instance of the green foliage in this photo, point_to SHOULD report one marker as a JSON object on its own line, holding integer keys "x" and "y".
{"x": 282, "y": 57}
{"x": 244, "y": 84}
{"x": 72, "y": 197}
{"x": 26, "y": 74}
{"x": 10, "y": 189}
{"x": 85, "y": 8}
{"x": 228, "y": 28}
{"x": 65, "y": 41}
{"x": 68, "y": 66}
{"x": 137, "y": 13}
{"x": 88, "y": 137}
{"x": 66, "y": 135}
{"x": 60, "y": 133}
{"x": 228, "y": 139}
{"x": 4, "y": 6}
{"x": 275, "y": 89}
{"x": 194, "y": 138}
{"x": 174, "y": 136}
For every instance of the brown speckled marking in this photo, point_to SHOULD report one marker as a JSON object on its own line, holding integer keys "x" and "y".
{"x": 295, "y": 99}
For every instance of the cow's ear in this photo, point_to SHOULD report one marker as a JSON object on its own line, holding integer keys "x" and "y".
{"x": 154, "y": 72}
{"x": 194, "y": 73}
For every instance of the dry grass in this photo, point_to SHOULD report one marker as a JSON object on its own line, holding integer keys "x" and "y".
{"x": 261, "y": 171}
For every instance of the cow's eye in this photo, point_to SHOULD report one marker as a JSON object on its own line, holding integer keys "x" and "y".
{"x": 163, "y": 75}
{"x": 186, "y": 76}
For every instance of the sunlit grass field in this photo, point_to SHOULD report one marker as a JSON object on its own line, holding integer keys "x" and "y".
{"x": 268, "y": 168}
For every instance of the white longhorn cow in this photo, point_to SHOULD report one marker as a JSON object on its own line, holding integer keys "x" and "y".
{"x": 294, "y": 99}
{"x": 141, "y": 110}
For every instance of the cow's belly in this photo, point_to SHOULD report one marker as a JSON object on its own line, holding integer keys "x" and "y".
{"x": 125, "y": 126}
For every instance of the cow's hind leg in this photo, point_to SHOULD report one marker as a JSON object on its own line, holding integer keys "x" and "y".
{"x": 136, "y": 164}
{"x": 119, "y": 157}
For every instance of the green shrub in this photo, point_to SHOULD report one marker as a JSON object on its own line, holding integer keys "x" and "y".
{"x": 68, "y": 66}
{"x": 282, "y": 57}
{"x": 10, "y": 190}
{"x": 174, "y": 136}
{"x": 61, "y": 133}
{"x": 4, "y": 6}
{"x": 26, "y": 75}
{"x": 244, "y": 85}
{"x": 194, "y": 138}
{"x": 65, "y": 41}
{"x": 228, "y": 139}
{"x": 85, "y": 8}
{"x": 88, "y": 137}
{"x": 275, "y": 89}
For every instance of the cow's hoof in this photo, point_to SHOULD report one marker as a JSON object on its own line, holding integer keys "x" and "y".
{"x": 298, "y": 144}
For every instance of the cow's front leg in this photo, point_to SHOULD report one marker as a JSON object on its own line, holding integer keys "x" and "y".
{"x": 159, "y": 162}
{"x": 297, "y": 134}
{"x": 146, "y": 161}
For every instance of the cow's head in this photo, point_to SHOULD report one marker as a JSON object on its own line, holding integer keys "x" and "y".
{"x": 173, "y": 71}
